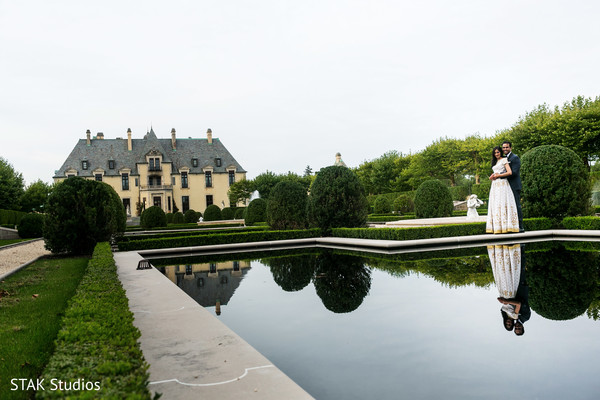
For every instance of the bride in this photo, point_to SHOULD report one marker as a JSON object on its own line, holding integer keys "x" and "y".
{"x": 502, "y": 214}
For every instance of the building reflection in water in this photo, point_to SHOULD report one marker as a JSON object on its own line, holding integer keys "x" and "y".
{"x": 508, "y": 266}
{"x": 209, "y": 284}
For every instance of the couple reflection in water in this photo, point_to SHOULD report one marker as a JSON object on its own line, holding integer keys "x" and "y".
{"x": 508, "y": 266}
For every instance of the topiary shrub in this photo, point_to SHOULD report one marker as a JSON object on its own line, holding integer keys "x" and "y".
{"x": 256, "y": 211}
{"x": 80, "y": 213}
{"x": 212, "y": 213}
{"x": 337, "y": 199}
{"x": 169, "y": 218}
{"x": 433, "y": 200}
{"x": 152, "y": 217}
{"x": 31, "y": 226}
{"x": 403, "y": 204}
{"x": 382, "y": 205}
{"x": 178, "y": 218}
{"x": 555, "y": 183}
{"x": 239, "y": 212}
{"x": 286, "y": 208}
{"x": 228, "y": 212}
{"x": 191, "y": 216}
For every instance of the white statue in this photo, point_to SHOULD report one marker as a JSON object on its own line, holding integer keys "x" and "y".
{"x": 472, "y": 203}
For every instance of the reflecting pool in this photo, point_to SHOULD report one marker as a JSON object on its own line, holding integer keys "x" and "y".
{"x": 428, "y": 325}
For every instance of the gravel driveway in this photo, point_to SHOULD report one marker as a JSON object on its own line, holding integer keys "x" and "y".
{"x": 13, "y": 257}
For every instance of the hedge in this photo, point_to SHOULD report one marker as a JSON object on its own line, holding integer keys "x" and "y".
{"x": 429, "y": 232}
{"x": 97, "y": 340}
{"x": 218, "y": 238}
{"x": 11, "y": 217}
{"x": 581, "y": 223}
{"x": 129, "y": 238}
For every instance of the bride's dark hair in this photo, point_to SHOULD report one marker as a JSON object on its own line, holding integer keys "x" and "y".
{"x": 494, "y": 159}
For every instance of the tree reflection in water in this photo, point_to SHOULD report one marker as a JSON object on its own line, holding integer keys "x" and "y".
{"x": 292, "y": 273}
{"x": 563, "y": 282}
{"x": 341, "y": 281}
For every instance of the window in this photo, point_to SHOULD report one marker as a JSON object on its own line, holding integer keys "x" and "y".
{"x": 212, "y": 268}
{"x": 111, "y": 164}
{"x": 188, "y": 269}
{"x": 184, "y": 180}
{"x": 194, "y": 162}
{"x": 173, "y": 180}
{"x": 98, "y": 177}
{"x": 169, "y": 203}
{"x": 208, "y": 178}
{"x": 127, "y": 206}
{"x": 125, "y": 181}
{"x": 137, "y": 181}
{"x": 70, "y": 176}
{"x": 185, "y": 203}
{"x": 231, "y": 177}
{"x": 236, "y": 265}
{"x": 218, "y": 162}
{"x": 154, "y": 164}
{"x": 154, "y": 180}
{"x": 84, "y": 165}
{"x": 209, "y": 200}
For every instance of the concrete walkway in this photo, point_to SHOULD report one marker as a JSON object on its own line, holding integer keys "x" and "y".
{"x": 193, "y": 355}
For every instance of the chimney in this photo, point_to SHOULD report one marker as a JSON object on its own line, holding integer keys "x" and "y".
{"x": 338, "y": 158}
{"x": 129, "y": 139}
{"x": 173, "y": 141}
{"x": 100, "y": 135}
{"x": 209, "y": 136}
{"x": 88, "y": 139}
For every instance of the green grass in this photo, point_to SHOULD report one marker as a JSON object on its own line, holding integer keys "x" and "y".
{"x": 5, "y": 242}
{"x": 32, "y": 302}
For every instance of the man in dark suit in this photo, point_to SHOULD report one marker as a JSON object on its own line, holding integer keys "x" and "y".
{"x": 514, "y": 180}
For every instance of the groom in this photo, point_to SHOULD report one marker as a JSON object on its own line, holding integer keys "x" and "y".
{"x": 514, "y": 180}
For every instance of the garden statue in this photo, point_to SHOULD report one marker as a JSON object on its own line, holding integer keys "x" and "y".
{"x": 472, "y": 203}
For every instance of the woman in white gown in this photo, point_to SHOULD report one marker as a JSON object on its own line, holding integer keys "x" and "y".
{"x": 502, "y": 214}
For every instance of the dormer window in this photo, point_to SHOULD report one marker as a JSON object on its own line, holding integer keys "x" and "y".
{"x": 111, "y": 164}
{"x": 84, "y": 164}
{"x": 194, "y": 162}
{"x": 218, "y": 162}
{"x": 154, "y": 164}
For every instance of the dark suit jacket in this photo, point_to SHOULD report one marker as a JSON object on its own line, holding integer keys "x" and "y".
{"x": 515, "y": 165}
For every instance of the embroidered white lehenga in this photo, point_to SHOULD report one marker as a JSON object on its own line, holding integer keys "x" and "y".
{"x": 506, "y": 267}
{"x": 502, "y": 214}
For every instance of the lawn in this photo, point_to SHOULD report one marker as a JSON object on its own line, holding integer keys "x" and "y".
{"x": 32, "y": 302}
{"x": 4, "y": 242}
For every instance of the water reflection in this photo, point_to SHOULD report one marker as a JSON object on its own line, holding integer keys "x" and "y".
{"x": 564, "y": 283}
{"x": 292, "y": 273}
{"x": 509, "y": 270}
{"x": 210, "y": 284}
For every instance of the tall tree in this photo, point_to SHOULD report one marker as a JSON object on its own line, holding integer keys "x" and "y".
{"x": 11, "y": 186}
{"x": 35, "y": 196}
{"x": 241, "y": 191}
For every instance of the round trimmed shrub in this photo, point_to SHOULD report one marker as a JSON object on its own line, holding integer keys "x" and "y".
{"x": 31, "y": 226}
{"x": 433, "y": 200}
{"x": 239, "y": 212}
{"x": 169, "y": 218}
{"x": 256, "y": 211}
{"x": 212, "y": 213}
{"x": 286, "y": 208}
{"x": 403, "y": 204}
{"x": 153, "y": 217}
{"x": 81, "y": 213}
{"x": 178, "y": 218}
{"x": 191, "y": 216}
{"x": 382, "y": 205}
{"x": 228, "y": 212}
{"x": 555, "y": 183}
{"x": 337, "y": 199}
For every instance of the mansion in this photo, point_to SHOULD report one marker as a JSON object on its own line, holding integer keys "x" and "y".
{"x": 168, "y": 173}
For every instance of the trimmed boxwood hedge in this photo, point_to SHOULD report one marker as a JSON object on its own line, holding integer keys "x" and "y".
{"x": 581, "y": 223}
{"x": 219, "y": 238}
{"x": 11, "y": 217}
{"x": 97, "y": 340}
{"x": 195, "y": 232}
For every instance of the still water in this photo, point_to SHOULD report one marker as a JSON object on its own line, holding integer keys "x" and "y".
{"x": 427, "y": 326}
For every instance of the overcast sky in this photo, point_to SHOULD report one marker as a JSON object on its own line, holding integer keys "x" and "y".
{"x": 284, "y": 84}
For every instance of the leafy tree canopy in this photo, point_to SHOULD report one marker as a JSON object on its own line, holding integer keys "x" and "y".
{"x": 11, "y": 186}
{"x": 35, "y": 196}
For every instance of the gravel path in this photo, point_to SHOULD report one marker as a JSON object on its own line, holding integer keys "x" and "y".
{"x": 13, "y": 257}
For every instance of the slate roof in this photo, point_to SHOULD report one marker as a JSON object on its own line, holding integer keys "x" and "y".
{"x": 100, "y": 151}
